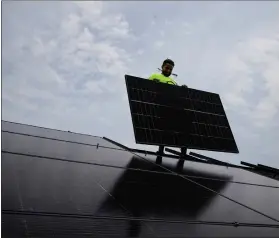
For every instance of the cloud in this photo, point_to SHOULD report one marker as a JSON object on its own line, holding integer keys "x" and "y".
{"x": 187, "y": 28}
{"x": 140, "y": 52}
{"x": 162, "y": 33}
{"x": 168, "y": 22}
{"x": 253, "y": 67}
{"x": 66, "y": 68}
{"x": 158, "y": 44}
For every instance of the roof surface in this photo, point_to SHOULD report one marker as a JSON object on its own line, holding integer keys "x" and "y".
{"x": 64, "y": 184}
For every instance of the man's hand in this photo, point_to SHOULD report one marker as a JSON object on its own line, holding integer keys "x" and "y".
{"x": 184, "y": 86}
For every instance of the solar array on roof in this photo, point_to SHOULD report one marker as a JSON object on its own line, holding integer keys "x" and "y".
{"x": 63, "y": 184}
{"x": 170, "y": 115}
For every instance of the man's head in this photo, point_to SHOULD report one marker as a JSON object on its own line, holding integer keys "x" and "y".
{"x": 167, "y": 67}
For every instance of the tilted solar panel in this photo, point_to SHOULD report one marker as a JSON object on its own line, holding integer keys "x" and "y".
{"x": 171, "y": 115}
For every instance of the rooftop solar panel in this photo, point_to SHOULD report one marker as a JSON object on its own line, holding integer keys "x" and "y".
{"x": 174, "y": 116}
{"x": 233, "y": 175}
{"x": 59, "y": 150}
{"x": 169, "y": 197}
{"x": 53, "y": 134}
{"x": 48, "y": 191}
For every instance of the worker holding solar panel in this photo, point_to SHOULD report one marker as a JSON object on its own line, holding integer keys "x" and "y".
{"x": 164, "y": 77}
{"x": 173, "y": 116}
{"x": 166, "y": 72}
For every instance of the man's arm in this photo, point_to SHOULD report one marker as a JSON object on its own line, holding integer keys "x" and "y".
{"x": 152, "y": 77}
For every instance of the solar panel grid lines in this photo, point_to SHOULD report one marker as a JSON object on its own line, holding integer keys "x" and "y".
{"x": 44, "y": 130}
{"x": 60, "y": 191}
{"x": 132, "y": 169}
{"x": 86, "y": 216}
{"x": 213, "y": 191}
{"x": 173, "y": 116}
{"x": 188, "y": 102}
{"x": 47, "y": 133}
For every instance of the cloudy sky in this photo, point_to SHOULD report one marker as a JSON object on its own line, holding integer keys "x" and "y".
{"x": 63, "y": 64}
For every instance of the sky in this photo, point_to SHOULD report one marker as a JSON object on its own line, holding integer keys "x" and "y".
{"x": 63, "y": 64}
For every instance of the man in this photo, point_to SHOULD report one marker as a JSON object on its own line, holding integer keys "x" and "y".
{"x": 164, "y": 77}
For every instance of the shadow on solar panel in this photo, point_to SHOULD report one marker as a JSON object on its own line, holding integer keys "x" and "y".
{"x": 163, "y": 195}
{"x": 169, "y": 115}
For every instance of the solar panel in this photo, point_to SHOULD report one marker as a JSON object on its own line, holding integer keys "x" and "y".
{"x": 68, "y": 189}
{"x": 170, "y": 115}
{"x": 47, "y": 133}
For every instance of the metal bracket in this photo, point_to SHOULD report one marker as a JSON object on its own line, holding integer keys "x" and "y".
{"x": 160, "y": 152}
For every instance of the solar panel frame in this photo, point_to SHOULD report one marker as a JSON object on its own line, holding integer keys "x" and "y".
{"x": 211, "y": 129}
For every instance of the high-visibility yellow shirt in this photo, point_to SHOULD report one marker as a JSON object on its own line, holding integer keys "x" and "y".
{"x": 162, "y": 78}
